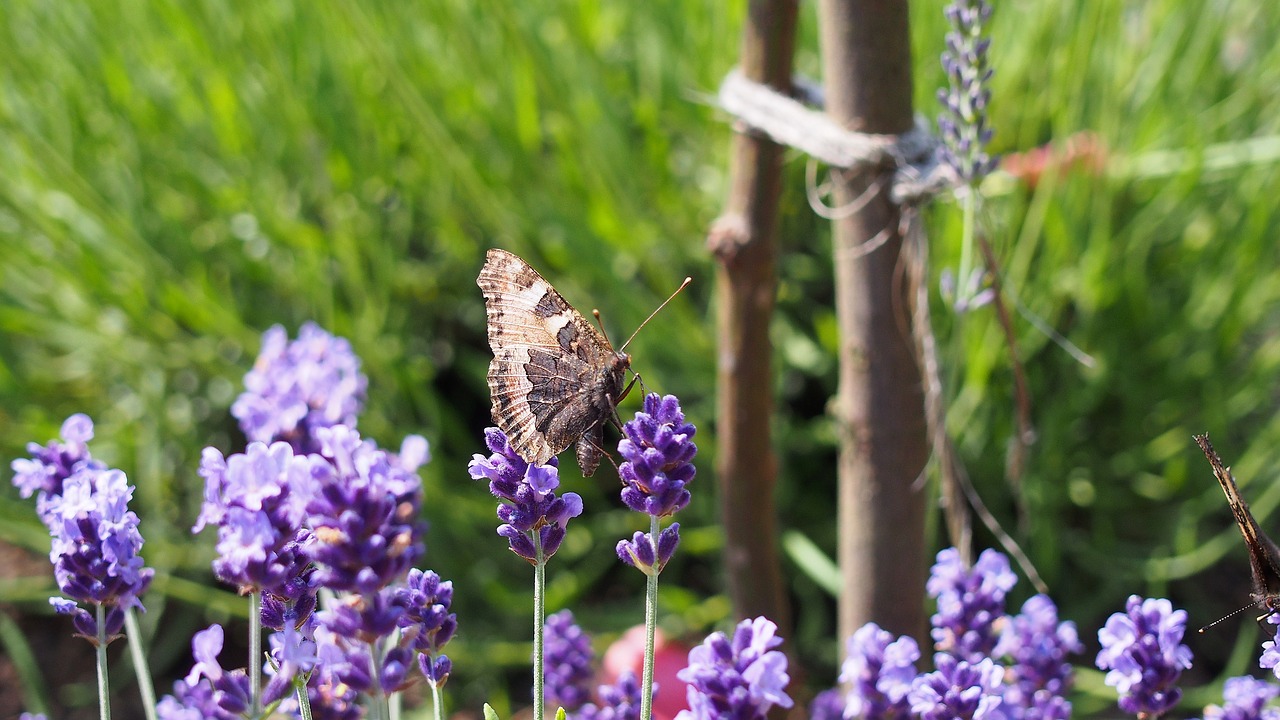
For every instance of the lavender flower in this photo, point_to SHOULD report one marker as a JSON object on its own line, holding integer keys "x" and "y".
{"x": 256, "y": 501}
{"x": 658, "y": 450}
{"x": 740, "y": 678}
{"x": 619, "y": 701}
{"x": 364, "y": 513}
{"x": 208, "y": 691}
{"x": 566, "y": 663}
{"x": 297, "y": 387}
{"x": 529, "y": 503}
{"x": 640, "y": 552}
{"x": 970, "y": 602}
{"x": 963, "y": 123}
{"x": 49, "y": 466}
{"x": 428, "y": 623}
{"x": 1039, "y": 676}
{"x": 293, "y": 654}
{"x": 293, "y": 600}
{"x": 347, "y": 634}
{"x": 95, "y": 549}
{"x": 827, "y": 705}
{"x": 1143, "y": 654}
{"x": 878, "y": 672}
{"x": 1245, "y": 698}
{"x": 957, "y": 690}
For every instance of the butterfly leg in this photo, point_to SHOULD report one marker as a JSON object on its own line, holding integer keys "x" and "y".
{"x": 614, "y": 417}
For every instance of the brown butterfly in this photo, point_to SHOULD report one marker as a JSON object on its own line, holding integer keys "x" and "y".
{"x": 554, "y": 378}
{"x": 1264, "y": 556}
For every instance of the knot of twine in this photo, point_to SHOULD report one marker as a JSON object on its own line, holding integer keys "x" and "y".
{"x": 788, "y": 121}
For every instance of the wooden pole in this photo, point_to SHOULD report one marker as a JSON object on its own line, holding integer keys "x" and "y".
{"x": 880, "y": 405}
{"x": 743, "y": 240}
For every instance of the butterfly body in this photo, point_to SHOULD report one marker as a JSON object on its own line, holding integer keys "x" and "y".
{"x": 1264, "y": 555}
{"x": 554, "y": 378}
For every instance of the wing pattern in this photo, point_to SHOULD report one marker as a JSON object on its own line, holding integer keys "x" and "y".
{"x": 551, "y": 368}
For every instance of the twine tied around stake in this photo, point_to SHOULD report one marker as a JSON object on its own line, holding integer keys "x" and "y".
{"x": 787, "y": 120}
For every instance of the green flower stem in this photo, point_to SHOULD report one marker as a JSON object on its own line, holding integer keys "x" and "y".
{"x": 255, "y": 653}
{"x": 304, "y": 701}
{"x": 969, "y": 209}
{"x": 650, "y": 628}
{"x": 437, "y": 699}
{"x": 104, "y": 690}
{"x": 140, "y": 666}
{"x": 539, "y": 617}
{"x": 379, "y": 708}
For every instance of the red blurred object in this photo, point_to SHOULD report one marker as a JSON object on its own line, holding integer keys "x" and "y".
{"x": 1084, "y": 151}
{"x": 669, "y": 658}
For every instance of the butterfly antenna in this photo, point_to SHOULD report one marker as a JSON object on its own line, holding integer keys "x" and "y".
{"x": 1228, "y": 616}
{"x": 595, "y": 313}
{"x": 683, "y": 285}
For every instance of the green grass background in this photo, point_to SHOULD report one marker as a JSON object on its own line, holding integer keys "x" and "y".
{"x": 175, "y": 177}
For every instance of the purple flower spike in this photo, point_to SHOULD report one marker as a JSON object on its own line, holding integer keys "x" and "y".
{"x": 566, "y": 663}
{"x": 428, "y": 622}
{"x": 878, "y": 672}
{"x": 639, "y": 552}
{"x": 1143, "y": 653}
{"x": 957, "y": 690}
{"x": 297, "y": 387}
{"x": 529, "y": 502}
{"x": 963, "y": 123}
{"x": 1245, "y": 698}
{"x": 740, "y": 678}
{"x": 364, "y": 515}
{"x": 827, "y": 705}
{"x": 49, "y": 466}
{"x": 658, "y": 451}
{"x": 208, "y": 691}
{"x": 970, "y": 602}
{"x": 619, "y": 701}
{"x": 256, "y": 500}
{"x": 95, "y": 548}
{"x": 1039, "y": 676}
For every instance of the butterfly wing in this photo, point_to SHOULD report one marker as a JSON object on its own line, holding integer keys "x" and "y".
{"x": 1264, "y": 556}
{"x": 548, "y": 361}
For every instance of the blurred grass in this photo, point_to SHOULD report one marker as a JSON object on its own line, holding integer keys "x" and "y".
{"x": 176, "y": 177}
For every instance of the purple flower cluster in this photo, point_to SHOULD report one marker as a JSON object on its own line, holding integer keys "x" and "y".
{"x": 529, "y": 502}
{"x": 296, "y": 388}
{"x": 878, "y": 672}
{"x": 963, "y": 123}
{"x": 428, "y": 623}
{"x": 566, "y": 662}
{"x": 957, "y": 690}
{"x": 95, "y": 537}
{"x": 970, "y": 602}
{"x": 1245, "y": 698}
{"x": 740, "y": 678}
{"x": 827, "y": 705}
{"x": 363, "y": 514}
{"x": 325, "y": 509}
{"x": 1028, "y": 653}
{"x": 49, "y": 466}
{"x": 1143, "y": 655}
{"x": 208, "y": 691}
{"x": 619, "y": 701}
{"x": 1038, "y": 675}
{"x": 256, "y": 500}
{"x": 658, "y": 451}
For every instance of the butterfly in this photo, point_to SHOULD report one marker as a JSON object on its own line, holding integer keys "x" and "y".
{"x": 1264, "y": 556}
{"x": 554, "y": 378}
